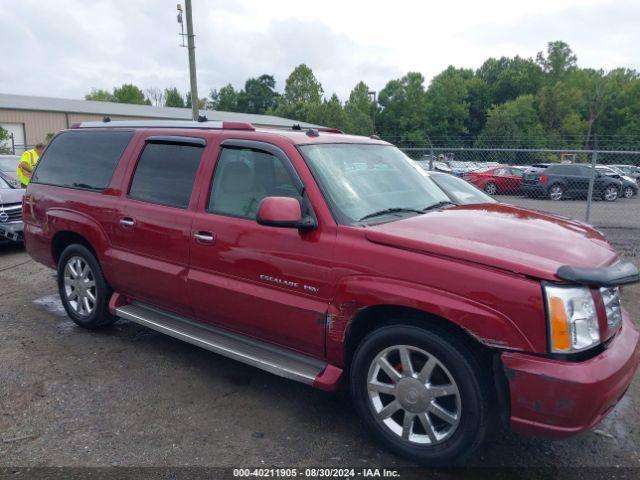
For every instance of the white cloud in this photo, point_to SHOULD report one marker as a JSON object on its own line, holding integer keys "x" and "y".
{"x": 66, "y": 47}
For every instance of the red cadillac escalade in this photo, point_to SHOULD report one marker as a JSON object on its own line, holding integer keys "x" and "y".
{"x": 333, "y": 260}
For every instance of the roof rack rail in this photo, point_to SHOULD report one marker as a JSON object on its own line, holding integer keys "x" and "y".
{"x": 185, "y": 124}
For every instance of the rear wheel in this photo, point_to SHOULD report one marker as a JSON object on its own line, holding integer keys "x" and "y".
{"x": 422, "y": 396}
{"x": 491, "y": 188}
{"x": 610, "y": 193}
{"x": 83, "y": 290}
{"x": 556, "y": 192}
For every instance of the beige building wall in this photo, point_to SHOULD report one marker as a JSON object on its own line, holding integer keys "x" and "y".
{"x": 38, "y": 124}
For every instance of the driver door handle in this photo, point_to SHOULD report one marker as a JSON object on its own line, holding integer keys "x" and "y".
{"x": 127, "y": 222}
{"x": 205, "y": 238}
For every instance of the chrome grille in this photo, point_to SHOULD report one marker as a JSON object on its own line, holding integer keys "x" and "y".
{"x": 611, "y": 299}
{"x": 11, "y": 213}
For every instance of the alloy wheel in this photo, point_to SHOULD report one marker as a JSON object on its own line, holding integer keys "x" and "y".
{"x": 628, "y": 192}
{"x": 491, "y": 188}
{"x": 80, "y": 286}
{"x": 413, "y": 395}
{"x": 555, "y": 193}
{"x": 611, "y": 193}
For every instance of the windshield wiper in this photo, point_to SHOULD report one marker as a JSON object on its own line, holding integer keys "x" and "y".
{"x": 443, "y": 203}
{"x": 389, "y": 210}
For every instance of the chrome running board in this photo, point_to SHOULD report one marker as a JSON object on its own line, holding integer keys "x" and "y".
{"x": 273, "y": 359}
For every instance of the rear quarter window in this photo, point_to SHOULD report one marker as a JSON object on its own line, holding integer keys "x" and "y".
{"x": 82, "y": 159}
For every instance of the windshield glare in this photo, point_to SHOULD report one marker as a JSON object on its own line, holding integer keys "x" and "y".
{"x": 361, "y": 179}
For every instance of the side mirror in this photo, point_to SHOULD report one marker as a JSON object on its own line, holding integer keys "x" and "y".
{"x": 283, "y": 212}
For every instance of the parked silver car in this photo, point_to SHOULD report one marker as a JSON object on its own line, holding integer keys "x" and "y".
{"x": 8, "y": 168}
{"x": 10, "y": 212}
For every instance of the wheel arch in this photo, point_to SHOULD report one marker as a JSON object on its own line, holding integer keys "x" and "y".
{"x": 371, "y": 318}
{"x": 372, "y": 302}
{"x": 73, "y": 227}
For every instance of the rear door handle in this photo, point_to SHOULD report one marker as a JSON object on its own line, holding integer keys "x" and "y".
{"x": 206, "y": 238}
{"x": 127, "y": 222}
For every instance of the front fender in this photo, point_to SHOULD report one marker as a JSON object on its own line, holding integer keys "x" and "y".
{"x": 355, "y": 293}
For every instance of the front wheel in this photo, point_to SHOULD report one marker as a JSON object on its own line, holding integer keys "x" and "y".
{"x": 83, "y": 290}
{"x": 610, "y": 193}
{"x": 422, "y": 396}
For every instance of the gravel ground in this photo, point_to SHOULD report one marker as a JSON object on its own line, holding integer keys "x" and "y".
{"x": 128, "y": 396}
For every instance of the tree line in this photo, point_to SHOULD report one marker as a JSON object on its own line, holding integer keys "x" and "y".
{"x": 515, "y": 102}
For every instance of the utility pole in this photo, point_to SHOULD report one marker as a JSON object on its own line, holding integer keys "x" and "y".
{"x": 191, "y": 47}
{"x": 375, "y": 107}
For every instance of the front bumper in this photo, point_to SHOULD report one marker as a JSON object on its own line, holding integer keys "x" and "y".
{"x": 11, "y": 231}
{"x": 556, "y": 399}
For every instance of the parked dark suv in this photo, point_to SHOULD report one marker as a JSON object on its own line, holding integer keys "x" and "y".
{"x": 562, "y": 181}
{"x": 336, "y": 261}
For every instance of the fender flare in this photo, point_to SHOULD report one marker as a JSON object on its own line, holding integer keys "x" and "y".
{"x": 64, "y": 220}
{"x": 356, "y": 293}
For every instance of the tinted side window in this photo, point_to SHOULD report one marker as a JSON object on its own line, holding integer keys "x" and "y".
{"x": 82, "y": 159}
{"x": 243, "y": 177}
{"x": 165, "y": 174}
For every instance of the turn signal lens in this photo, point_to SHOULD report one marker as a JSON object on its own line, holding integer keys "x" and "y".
{"x": 573, "y": 321}
{"x": 543, "y": 179}
{"x": 560, "y": 340}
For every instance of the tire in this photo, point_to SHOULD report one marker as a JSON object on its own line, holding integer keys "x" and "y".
{"x": 629, "y": 192}
{"x": 610, "y": 193}
{"x": 556, "y": 192}
{"x": 80, "y": 272}
{"x": 491, "y": 188}
{"x": 429, "y": 439}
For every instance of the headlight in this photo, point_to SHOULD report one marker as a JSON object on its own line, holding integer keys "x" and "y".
{"x": 573, "y": 320}
{"x": 611, "y": 299}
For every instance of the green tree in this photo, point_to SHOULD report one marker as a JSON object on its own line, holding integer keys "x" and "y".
{"x": 332, "y": 114}
{"x": 225, "y": 100}
{"x": 202, "y": 103}
{"x": 507, "y": 78}
{"x": 99, "y": 95}
{"x": 302, "y": 95}
{"x": 514, "y": 124}
{"x": 403, "y": 109}
{"x": 5, "y": 142}
{"x": 129, "y": 93}
{"x": 558, "y": 108}
{"x": 359, "y": 111}
{"x": 173, "y": 98}
{"x": 447, "y": 105}
{"x": 259, "y": 95}
{"x": 558, "y": 60}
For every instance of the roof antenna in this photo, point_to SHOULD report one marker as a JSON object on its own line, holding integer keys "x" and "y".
{"x": 312, "y": 132}
{"x": 106, "y": 119}
{"x": 202, "y": 118}
{"x": 296, "y": 127}
{"x": 374, "y": 137}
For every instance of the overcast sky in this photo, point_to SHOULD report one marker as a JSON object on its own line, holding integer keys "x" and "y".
{"x": 64, "y": 48}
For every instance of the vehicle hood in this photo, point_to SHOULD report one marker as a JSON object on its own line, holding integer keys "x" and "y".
{"x": 501, "y": 236}
{"x": 11, "y": 195}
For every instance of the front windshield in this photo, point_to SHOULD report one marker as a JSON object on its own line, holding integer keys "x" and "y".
{"x": 4, "y": 184}
{"x": 360, "y": 180}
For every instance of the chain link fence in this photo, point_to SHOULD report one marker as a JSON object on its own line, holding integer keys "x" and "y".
{"x": 599, "y": 187}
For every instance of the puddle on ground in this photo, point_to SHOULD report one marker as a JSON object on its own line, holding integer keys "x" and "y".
{"x": 53, "y": 305}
